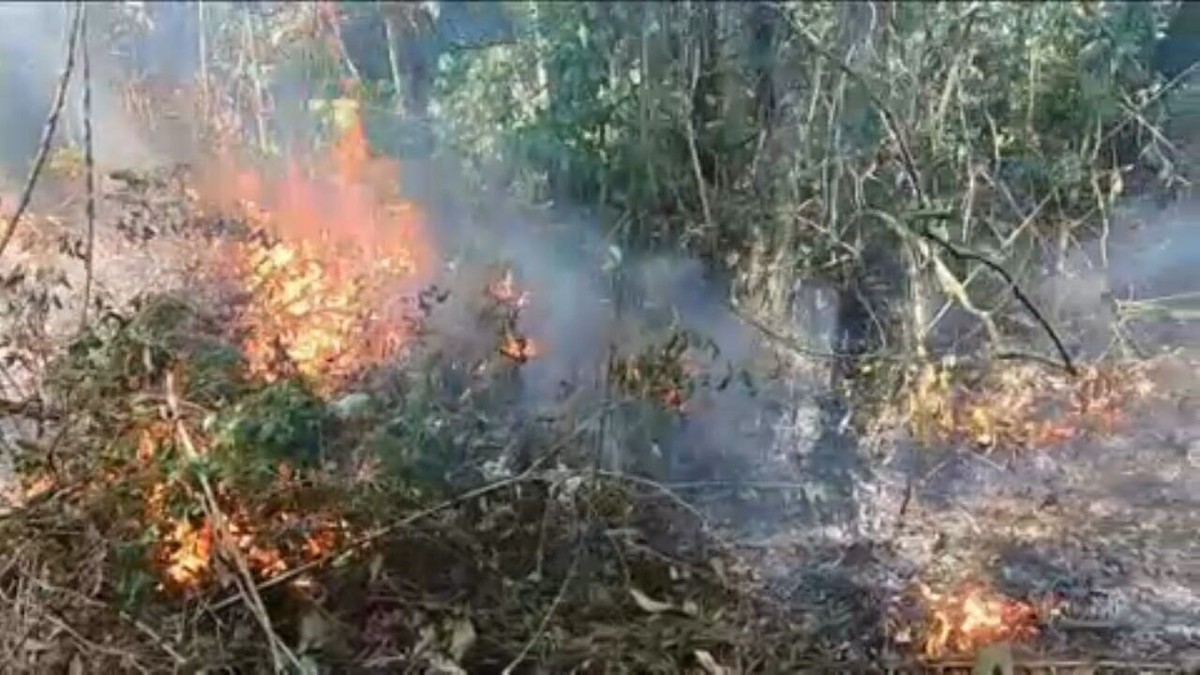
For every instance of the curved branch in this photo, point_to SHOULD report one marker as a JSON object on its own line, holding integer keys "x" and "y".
{"x": 965, "y": 254}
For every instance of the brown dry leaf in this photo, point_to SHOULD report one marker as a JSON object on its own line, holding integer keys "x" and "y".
{"x": 648, "y": 604}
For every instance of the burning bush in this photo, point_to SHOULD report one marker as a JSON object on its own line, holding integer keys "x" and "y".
{"x": 196, "y": 482}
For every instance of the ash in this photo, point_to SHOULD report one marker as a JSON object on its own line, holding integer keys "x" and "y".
{"x": 1106, "y": 528}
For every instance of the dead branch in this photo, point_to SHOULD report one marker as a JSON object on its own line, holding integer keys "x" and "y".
{"x": 90, "y": 160}
{"x": 966, "y": 254}
{"x": 51, "y": 126}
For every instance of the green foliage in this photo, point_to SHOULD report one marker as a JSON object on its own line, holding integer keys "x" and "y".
{"x": 118, "y": 355}
{"x": 281, "y": 422}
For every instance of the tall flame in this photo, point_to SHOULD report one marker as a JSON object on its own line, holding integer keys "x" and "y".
{"x": 327, "y": 284}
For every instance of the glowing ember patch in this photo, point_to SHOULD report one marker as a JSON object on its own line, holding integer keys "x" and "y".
{"x": 971, "y": 617}
{"x": 508, "y": 303}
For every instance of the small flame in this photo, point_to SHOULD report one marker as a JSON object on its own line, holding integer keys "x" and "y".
{"x": 973, "y": 616}
{"x": 518, "y": 348}
{"x": 270, "y": 541}
{"x": 190, "y": 553}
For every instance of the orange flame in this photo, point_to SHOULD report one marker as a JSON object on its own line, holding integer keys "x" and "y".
{"x": 518, "y": 348}
{"x": 324, "y": 292}
{"x": 973, "y": 616}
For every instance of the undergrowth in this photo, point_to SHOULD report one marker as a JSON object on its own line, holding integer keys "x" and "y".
{"x": 184, "y": 516}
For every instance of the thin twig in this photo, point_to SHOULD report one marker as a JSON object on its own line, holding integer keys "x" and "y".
{"x": 60, "y": 97}
{"x": 149, "y": 632}
{"x": 527, "y": 476}
{"x": 90, "y": 161}
{"x": 550, "y": 611}
{"x": 966, "y": 254}
{"x": 244, "y": 579}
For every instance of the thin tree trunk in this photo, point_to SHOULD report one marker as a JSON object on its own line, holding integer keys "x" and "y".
{"x": 389, "y": 30}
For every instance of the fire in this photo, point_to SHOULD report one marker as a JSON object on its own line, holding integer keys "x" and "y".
{"x": 1025, "y": 407}
{"x": 509, "y": 302}
{"x": 518, "y": 348}
{"x": 271, "y": 540}
{"x": 973, "y": 616}
{"x": 186, "y": 552}
{"x": 338, "y": 256}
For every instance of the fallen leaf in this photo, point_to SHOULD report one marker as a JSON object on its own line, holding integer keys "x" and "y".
{"x": 648, "y": 604}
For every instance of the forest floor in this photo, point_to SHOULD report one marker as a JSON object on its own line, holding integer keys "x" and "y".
{"x": 839, "y": 536}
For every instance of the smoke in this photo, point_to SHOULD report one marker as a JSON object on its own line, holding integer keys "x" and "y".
{"x": 588, "y": 297}
{"x": 1152, "y": 253}
{"x": 33, "y": 38}
{"x": 589, "y": 300}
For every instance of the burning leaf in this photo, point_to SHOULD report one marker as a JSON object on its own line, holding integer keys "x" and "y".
{"x": 1022, "y": 406}
{"x": 648, "y": 604}
{"x": 518, "y": 348}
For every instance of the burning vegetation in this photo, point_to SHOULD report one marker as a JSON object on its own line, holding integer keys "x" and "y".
{"x": 970, "y": 616}
{"x": 280, "y": 464}
{"x": 336, "y": 256}
{"x": 1025, "y": 407}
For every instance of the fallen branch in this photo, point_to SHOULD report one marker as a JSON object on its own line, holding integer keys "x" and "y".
{"x": 60, "y": 97}
{"x": 1068, "y": 364}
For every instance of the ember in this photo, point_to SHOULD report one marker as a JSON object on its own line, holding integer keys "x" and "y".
{"x": 1024, "y": 407}
{"x": 507, "y": 305}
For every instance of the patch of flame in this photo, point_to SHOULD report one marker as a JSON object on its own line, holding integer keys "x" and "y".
{"x": 972, "y": 617}
{"x": 1024, "y": 406}
{"x": 518, "y": 348}
{"x": 327, "y": 283}
{"x": 513, "y": 344}
{"x": 271, "y": 541}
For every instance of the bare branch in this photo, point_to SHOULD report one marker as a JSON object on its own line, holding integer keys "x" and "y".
{"x": 51, "y": 126}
